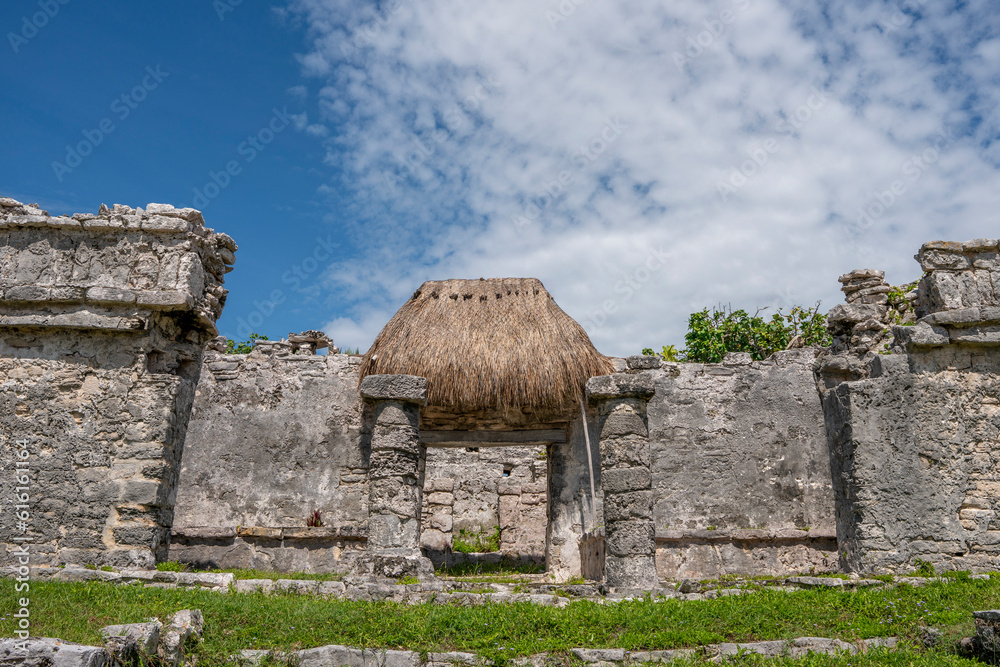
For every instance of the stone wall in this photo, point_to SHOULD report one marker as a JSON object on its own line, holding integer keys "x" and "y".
{"x": 274, "y": 436}
{"x": 280, "y": 433}
{"x": 913, "y": 434}
{"x": 103, "y": 320}
{"x": 479, "y": 489}
{"x": 740, "y": 467}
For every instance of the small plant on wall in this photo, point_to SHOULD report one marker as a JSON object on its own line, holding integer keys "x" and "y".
{"x": 476, "y": 541}
{"x": 314, "y": 520}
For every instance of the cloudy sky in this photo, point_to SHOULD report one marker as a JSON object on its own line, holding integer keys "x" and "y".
{"x": 643, "y": 159}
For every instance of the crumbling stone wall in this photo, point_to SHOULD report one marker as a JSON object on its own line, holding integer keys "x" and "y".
{"x": 478, "y": 489}
{"x": 740, "y": 467}
{"x": 103, "y": 320}
{"x": 281, "y": 432}
{"x": 274, "y": 435}
{"x": 912, "y": 433}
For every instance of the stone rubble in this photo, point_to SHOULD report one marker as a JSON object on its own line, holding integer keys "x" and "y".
{"x": 131, "y": 645}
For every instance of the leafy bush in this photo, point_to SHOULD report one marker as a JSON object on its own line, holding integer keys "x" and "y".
{"x": 476, "y": 541}
{"x": 246, "y": 347}
{"x": 314, "y": 520}
{"x": 711, "y": 336}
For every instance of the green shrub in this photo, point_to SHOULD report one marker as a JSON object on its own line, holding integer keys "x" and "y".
{"x": 711, "y": 336}
{"x": 246, "y": 347}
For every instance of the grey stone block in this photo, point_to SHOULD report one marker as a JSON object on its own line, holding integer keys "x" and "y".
{"x": 620, "y": 385}
{"x": 405, "y": 388}
{"x": 46, "y": 652}
{"x": 622, "y": 480}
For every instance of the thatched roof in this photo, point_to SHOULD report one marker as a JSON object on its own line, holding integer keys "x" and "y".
{"x": 489, "y": 344}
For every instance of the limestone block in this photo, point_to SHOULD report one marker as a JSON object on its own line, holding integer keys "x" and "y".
{"x": 405, "y": 388}
{"x": 620, "y": 385}
{"x": 392, "y": 413}
{"x": 637, "y": 572}
{"x": 131, "y": 643}
{"x": 642, "y": 363}
{"x": 54, "y": 652}
{"x": 623, "y": 423}
{"x": 627, "y": 452}
{"x": 402, "y": 438}
{"x": 393, "y": 463}
{"x": 630, "y": 538}
{"x": 621, "y": 480}
{"x": 628, "y": 506}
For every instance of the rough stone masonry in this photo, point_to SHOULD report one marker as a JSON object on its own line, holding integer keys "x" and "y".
{"x": 103, "y": 323}
{"x": 912, "y": 428}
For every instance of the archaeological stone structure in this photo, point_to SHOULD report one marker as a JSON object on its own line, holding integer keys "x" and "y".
{"x": 103, "y": 323}
{"x": 481, "y": 418}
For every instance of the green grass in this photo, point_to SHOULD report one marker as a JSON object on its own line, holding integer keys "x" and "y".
{"x": 77, "y": 611}
{"x": 497, "y": 573}
{"x": 174, "y": 566}
{"x": 476, "y": 541}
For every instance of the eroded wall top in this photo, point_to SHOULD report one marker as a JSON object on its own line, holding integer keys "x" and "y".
{"x": 111, "y": 270}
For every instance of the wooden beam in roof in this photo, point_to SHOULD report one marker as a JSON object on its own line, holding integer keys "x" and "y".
{"x": 492, "y": 438}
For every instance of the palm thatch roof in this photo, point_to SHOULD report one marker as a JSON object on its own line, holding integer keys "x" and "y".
{"x": 497, "y": 344}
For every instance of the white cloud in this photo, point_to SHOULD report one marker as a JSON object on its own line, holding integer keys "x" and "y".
{"x": 451, "y": 121}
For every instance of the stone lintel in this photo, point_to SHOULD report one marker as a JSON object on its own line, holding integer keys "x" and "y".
{"x": 621, "y": 385}
{"x": 405, "y": 388}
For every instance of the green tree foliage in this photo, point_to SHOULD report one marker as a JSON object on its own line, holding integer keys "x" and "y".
{"x": 232, "y": 347}
{"x": 711, "y": 335}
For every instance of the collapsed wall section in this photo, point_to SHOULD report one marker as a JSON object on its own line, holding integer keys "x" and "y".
{"x": 103, "y": 319}
{"x": 740, "y": 467}
{"x": 913, "y": 433}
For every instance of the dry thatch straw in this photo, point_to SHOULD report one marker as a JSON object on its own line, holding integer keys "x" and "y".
{"x": 489, "y": 344}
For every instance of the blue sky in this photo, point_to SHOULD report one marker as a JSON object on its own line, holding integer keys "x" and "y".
{"x": 644, "y": 160}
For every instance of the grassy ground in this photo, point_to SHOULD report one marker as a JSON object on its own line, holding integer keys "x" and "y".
{"x": 76, "y": 612}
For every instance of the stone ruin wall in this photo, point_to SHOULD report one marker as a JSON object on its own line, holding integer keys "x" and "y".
{"x": 739, "y": 467}
{"x": 103, "y": 319}
{"x": 733, "y": 467}
{"x": 275, "y": 435}
{"x": 479, "y": 489}
{"x": 912, "y": 433}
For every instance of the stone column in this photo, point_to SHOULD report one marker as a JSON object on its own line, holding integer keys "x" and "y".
{"x": 395, "y": 476}
{"x": 630, "y": 560}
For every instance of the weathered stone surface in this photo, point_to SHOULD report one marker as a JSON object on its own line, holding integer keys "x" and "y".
{"x": 184, "y": 625}
{"x": 47, "y": 652}
{"x": 85, "y": 371}
{"x": 620, "y": 385}
{"x": 407, "y": 388}
{"x": 307, "y": 464}
{"x": 129, "y": 644}
{"x": 717, "y": 441}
